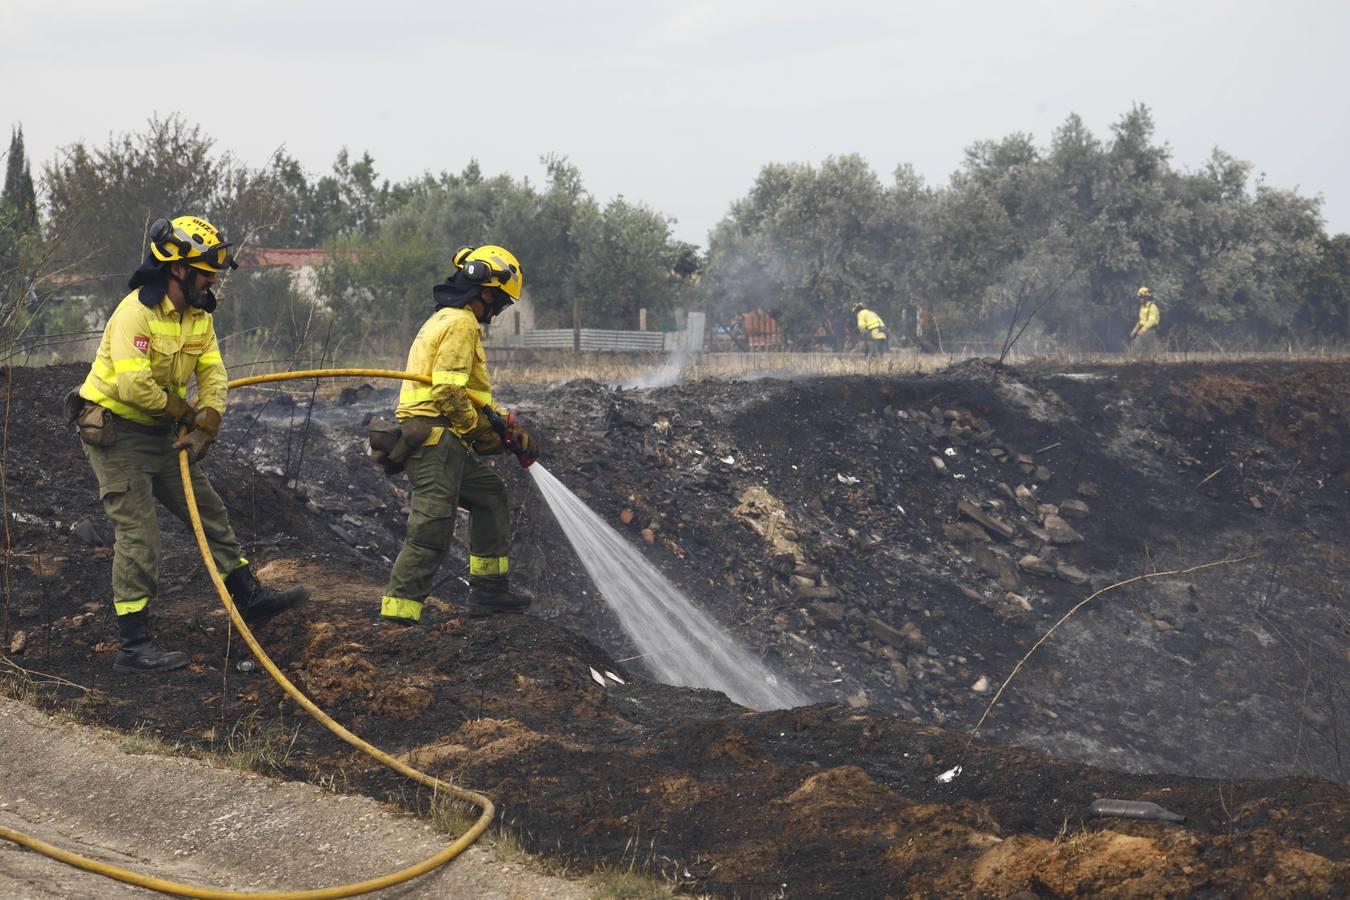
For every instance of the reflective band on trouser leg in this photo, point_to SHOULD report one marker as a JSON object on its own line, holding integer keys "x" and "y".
{"x": 398, "y": 608}
{"x": 487, "y": 565}
{"x": 127, "y": 607}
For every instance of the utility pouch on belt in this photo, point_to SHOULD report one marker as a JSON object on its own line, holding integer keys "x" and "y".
{"x": 385, "y": 439}
{"x": 402, "y": 438}
{"x": 72, "y": 404}
{"x": 96, "y": 426}
{"x": 94, "y": 422}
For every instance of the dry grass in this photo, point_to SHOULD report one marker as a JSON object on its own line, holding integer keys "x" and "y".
{"x": 141, "y": 741}
{"x": 253, "y": 745}
{"x": 16, "y": 685}
{"x": 452, "y": 816}
{"x": 627, "y": 884}
{"x": 641, "y": 874}
{"x": 1072, "y": 843}
{"x": 515, "y": 366}
{"x": 634, "y": 878}
{"x": 335, "y": 781}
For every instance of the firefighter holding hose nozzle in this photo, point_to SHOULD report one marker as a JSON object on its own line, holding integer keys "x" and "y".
{"x": 443, "y": 427}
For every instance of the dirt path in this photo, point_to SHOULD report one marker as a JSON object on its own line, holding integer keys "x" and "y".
{"x": 184, "y": 820}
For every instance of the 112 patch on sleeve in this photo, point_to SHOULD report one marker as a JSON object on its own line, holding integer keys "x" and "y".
{"x": 141, "y": 342}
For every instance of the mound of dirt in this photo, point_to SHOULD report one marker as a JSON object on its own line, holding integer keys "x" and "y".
{"x": 895, "y": 545}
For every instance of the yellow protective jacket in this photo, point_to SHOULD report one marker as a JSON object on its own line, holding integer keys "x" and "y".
{"x": 870, "y": 325}
{"x": 146, "y": 351}
{"x": 1149, "y": 317}
{"x": 449, "y": 349}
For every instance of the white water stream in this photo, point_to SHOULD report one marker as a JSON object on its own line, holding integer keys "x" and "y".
{"x": 679, "y": 643}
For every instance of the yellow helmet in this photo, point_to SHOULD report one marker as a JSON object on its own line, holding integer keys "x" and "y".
{"x": 1145, "y": 292}
{"x": 190, "y": 240}
{"x": 492, "y": 266}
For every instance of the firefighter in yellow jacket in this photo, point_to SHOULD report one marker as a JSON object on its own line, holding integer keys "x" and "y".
{"x": 872, "y": 329}
{"x": 443, "y": 426}
{"x": 1149, "y": 318}
{"x": 127, "y": 411}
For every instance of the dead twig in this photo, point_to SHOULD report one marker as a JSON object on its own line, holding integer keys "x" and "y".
{"x": 1302, "y": 710}
{"x": 1068, "y": 615}
{"x": 4, "y": 498}
{"x": 309, "y": 411}
{"x": 1212, "y": 474}
{"x": 34, "y": 675}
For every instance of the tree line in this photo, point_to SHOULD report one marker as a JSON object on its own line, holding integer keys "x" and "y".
{"x": 1055, "y": 239}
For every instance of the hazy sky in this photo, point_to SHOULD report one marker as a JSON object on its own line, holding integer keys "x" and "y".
{"x": 679, "y": 104}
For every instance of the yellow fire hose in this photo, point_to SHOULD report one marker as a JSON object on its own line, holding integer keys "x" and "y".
{"x": 347, "y": 890}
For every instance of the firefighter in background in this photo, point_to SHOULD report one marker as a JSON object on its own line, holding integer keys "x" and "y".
{"x": 1149, "y": 317}
{"x": 442, "y": 427}
{"x": 127, "y": 410}
{"x": 872, "y": 330}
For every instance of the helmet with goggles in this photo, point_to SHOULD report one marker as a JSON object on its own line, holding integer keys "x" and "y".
{"x": 190, "y": 240}
{"x": 492, "y": 266}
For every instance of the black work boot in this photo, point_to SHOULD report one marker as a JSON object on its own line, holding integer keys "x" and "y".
{"x": 258, "y": 603}
{"x": 138, "y": 654}
{"x": 491, "y": 595}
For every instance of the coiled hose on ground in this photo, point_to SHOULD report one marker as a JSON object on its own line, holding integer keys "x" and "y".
{"x": 346, "y": 890}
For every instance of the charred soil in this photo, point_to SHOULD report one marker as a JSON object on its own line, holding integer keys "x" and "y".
{"x": 894, "y": 545}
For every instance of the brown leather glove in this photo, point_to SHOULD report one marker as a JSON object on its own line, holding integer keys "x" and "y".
{"x": 483, "y": 438}
{"x": 522, "y": 444}
{"x": 178, "y": 409}
{"x": 208, "y": 420}
{"x": 195, "y": 443}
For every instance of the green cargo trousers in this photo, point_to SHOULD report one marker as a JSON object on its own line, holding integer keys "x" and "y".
{"x": 135, "y": 470}
{"x": 445, "y": 476}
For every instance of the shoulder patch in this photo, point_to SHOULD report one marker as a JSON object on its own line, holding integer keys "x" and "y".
{"x": 141, "y": 342}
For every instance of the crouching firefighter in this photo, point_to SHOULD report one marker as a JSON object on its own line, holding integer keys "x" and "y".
{"x": 128, "y": 411}
{"x": 871, "y": 329}
{"x": 441, "y": 428}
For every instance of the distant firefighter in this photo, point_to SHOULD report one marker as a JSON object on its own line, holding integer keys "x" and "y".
{"x": 159, "y": 338}
{"x": 1149, "y": 317}
{"x": 872, "y": 329}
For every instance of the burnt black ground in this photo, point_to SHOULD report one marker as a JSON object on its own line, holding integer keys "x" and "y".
{"x": 1234, "y": 673}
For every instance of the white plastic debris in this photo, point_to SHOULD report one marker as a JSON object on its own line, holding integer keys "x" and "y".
{"x": 729, "y": 460}
{"x": 958, "y": 476}
{"x": 902, "y": 509}
{"x": 845, "y": 479}
{"x": 950, "y": 451}
{"x": 597, "y": 677}
{"x": 612, "y": 677}
{"x": 949, "y": 776}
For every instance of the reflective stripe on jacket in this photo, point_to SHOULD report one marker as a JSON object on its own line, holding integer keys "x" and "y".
{"x": 146, "y": 351}
{"x": 1149, "y": 316}
{"x": 448, "y": 349}
{"x": 869, "y": 322}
